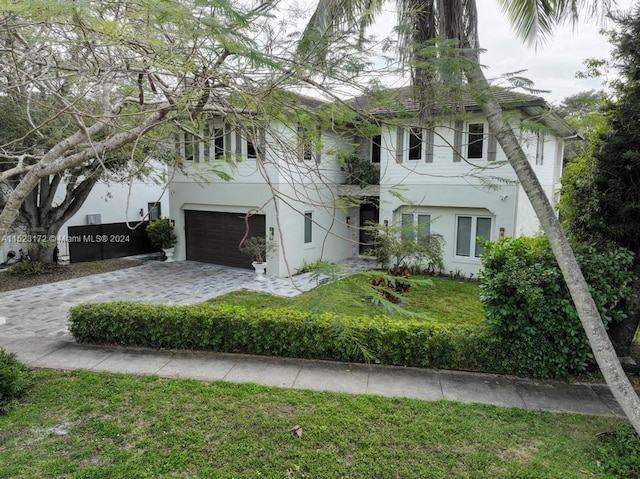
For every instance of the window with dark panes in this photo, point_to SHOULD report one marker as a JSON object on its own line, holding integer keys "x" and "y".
{"x": 376, "y": 144}
{"x": 308, "y": 227}
{"x": 415, "y": 144}
{"x": 475, "y": 147}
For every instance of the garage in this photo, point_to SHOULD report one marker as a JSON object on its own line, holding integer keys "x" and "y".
{"x": 213, "y": 237}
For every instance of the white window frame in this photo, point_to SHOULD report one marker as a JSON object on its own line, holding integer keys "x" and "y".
{"x": 308, "y": 220}
{"x": 415, "y": 223}
{"x": 473, "y": 236}
{"x": 407, "y": 147}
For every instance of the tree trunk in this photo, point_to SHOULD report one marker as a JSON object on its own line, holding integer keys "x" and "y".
{"x": 601, "y": 345}
{"x": 53, "y": 163}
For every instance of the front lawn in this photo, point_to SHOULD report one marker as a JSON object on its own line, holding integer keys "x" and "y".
{"x": 444, "y": 300}
{"x": 91, "y": 425}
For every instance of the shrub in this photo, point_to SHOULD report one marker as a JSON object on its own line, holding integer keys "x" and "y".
{"x": 407, "y": 245}
{"x": 258, "y": 247}
{"x": 26, "y": 267}
{"x": 359, "y": 171}
{"x": 15, "y": 380}
{"x": 530, "y": 311}
{"x": 161, "y": 234}
{"x": 286, "y": 333}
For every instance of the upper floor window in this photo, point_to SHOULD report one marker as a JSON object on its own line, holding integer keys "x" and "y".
{"x": 217, "y": 143}
{"x": 472, "y": 142}
{"x": 415, "y": 144}
{"x": 252, "y": 148}
{"x": 189, "y": 147}
{"x": 475, "y": 145}
{"x": 204, "y": 146}
{"x": 376, "y": 147}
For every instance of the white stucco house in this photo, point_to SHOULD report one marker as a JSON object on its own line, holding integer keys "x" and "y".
{"x": 448, "y": 176}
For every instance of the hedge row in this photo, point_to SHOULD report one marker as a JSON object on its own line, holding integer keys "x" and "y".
{"x": 286, "y": 333}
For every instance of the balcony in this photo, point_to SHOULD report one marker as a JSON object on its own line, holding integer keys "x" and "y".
{"x": 362, "y": 178}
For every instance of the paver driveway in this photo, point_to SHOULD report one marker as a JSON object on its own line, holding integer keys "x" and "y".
{"x": 42, "y": 310}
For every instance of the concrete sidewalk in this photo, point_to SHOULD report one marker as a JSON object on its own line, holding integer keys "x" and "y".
{"x": 429, "y": 385}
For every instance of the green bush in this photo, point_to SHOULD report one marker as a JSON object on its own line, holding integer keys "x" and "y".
{"x": 618, "y": 452}
{"x": 530, "y": 311}
{"x": 285, "y": 333}
{"x": 26, "y": 267}
{"x": 15, "y": 380}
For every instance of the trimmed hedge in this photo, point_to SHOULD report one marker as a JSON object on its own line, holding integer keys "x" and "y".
{"x": 286, "y": 333}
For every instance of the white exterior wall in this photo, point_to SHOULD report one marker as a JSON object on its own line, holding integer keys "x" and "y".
{"x": 442, "y": 188}
{"x": 446, "y": 189}
{"x": 283, "y": 188}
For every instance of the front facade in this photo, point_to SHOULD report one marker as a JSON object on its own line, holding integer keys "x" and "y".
{"x": 447, "y": 177}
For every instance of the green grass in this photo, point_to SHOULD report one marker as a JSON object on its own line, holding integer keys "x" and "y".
{"x": 444, "y": 300}
{"x": 117, "y": 426}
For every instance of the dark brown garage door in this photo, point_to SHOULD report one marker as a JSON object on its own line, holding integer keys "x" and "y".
{"x": 214, "y": 237}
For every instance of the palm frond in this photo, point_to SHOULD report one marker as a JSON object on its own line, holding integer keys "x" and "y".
{"x": 333, "y": 18}
{"x": 533, "y": 21}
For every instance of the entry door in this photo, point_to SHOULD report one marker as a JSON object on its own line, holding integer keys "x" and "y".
{"x": 369, "y": 214}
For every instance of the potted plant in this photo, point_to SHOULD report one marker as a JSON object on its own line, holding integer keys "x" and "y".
{"x": 257, "y": 247}
{"x": 162, "y": 236}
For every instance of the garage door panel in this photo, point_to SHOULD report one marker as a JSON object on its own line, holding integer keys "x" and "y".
{"x": 213, "y": 237}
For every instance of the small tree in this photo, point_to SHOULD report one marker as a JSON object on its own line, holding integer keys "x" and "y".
{"x": 257, "y": 247}
{"x": 408, "y": 246}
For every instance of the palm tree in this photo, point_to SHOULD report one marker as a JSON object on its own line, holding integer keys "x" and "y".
{"x": 457, "y": 20}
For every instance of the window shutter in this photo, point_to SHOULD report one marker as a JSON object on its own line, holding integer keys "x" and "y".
{"x": 319, "y": 147}
{"x": 227, "y": 141}
{"x": 238, "y": 143}
{"x": 429, "y": 136}
{"x": 540, "y": 148}
{"x": 492, "y": 147}
{"x": 399, "y": 145}
{"x": 262, "y": 144}
{"x": 457, "y": 140}
{"x": 301, "y": 143}
{"x": 178, "y": 141}
{"x": 364, "y": 148}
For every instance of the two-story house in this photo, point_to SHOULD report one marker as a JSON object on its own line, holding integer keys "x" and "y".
{"x": 446, "y": 175}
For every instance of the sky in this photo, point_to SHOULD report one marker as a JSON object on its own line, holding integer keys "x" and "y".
{"x": 552, "y": 67}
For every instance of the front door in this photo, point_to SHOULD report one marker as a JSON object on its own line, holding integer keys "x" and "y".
{"x": 369, "y": 215}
